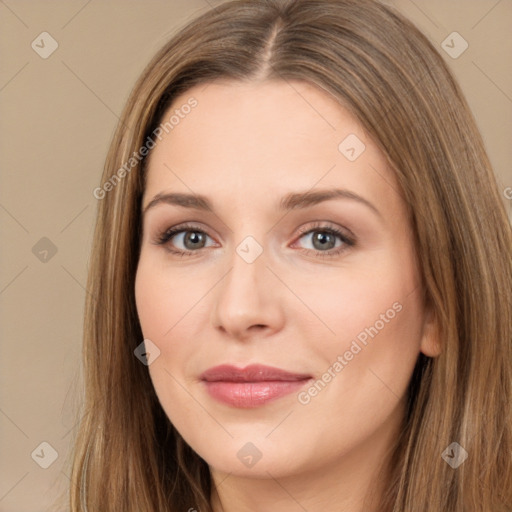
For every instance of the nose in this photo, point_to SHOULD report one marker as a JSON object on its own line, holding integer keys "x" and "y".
{"x": 249, "y": 300}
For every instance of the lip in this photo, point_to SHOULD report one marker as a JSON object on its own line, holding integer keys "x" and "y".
{"x": 252, "y": 386}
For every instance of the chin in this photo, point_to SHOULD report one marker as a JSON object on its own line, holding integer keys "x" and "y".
{"x": 252, "y": 457}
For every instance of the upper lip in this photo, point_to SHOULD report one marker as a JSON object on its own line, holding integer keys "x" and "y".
{"x": 251, "y": 373}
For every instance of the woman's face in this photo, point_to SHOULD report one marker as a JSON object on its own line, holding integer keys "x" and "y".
{"x": 279, "y": 271}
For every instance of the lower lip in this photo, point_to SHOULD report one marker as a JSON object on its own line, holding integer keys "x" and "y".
{"x": 252, "y": 394}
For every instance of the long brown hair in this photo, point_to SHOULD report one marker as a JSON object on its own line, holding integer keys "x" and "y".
{"x": 127, "y": 455}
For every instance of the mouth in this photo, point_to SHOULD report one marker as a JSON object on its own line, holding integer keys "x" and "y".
{"x": 252, "y": 386}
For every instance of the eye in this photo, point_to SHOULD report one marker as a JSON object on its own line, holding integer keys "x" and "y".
{"x": 191, "y": 237}
{"x": 323, "y": 239}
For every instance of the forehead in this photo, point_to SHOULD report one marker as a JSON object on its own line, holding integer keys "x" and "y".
{"x": 283, "y": 118}
{"x": 262, "y": 139}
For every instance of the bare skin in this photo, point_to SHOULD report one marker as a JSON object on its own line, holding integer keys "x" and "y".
{"x": 299, "y": 306}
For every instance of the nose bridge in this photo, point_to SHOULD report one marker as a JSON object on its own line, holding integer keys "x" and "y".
{"x": 246, "y": 297}
{"x": 248, "y": 259}
{"x": 248, "y": 268}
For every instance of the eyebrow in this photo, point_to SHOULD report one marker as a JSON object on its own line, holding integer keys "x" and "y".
{"x": 292, "y": 201}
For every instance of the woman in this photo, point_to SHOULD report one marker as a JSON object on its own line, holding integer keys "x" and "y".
{"x": 234, "y": 359}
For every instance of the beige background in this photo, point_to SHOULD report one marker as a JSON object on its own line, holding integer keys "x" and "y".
{"x": 57, "y": 117}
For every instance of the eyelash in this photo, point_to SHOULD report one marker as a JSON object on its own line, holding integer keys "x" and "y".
{"x": 165, "y": 236}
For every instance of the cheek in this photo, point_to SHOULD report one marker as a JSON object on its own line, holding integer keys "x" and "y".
{"x": 375, "y": 321}
{"x": 375, "y": 302}
{"x": 163, "y": 297}
{"x": 367, "y": 365}
{"x": 163, "y": 306}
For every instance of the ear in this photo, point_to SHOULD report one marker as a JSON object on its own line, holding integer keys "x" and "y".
{"x": 430, "y": 339}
